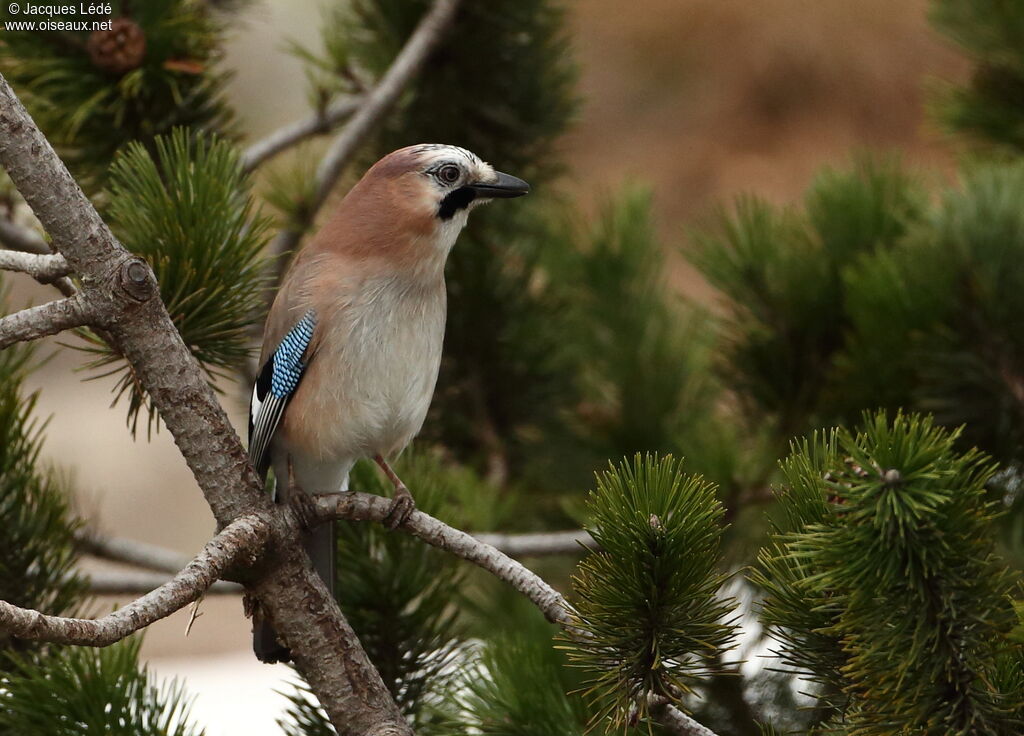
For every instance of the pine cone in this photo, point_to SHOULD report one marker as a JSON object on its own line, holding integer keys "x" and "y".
{"x": 120, "y": 49}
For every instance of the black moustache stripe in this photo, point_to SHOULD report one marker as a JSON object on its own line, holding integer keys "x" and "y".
{"x": 454, "y": 201}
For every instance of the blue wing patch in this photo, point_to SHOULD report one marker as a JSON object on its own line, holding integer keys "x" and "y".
{"x": 274, "y": 387}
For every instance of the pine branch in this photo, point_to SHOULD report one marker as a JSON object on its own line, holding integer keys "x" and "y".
{"x": 43, "y": 268}
{"x": 139, "y": 583}
{"x": 378, "y": 102}
{"x": 320, "y": 123}
{"x": 47, "y": 319}
{"x": 240, "y": 538}
{"x": 675, "y": 721}
{"x": 543, "y": 544}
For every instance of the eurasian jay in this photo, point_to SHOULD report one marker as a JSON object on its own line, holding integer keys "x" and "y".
{"x": 352, "y": 344}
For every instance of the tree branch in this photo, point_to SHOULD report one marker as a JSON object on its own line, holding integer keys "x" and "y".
{"x": 677, "y": 722}
{"x": 543, "y": 544}
{"x": 22, "y": 239}
{"x": 377, "y": 103}
{"x": 368, "y": 507}
{"x": 124, "y": 292}
{"x": 130, "y": 552}
{"x": 323, "y": 121}
{"x": 135, "y": 582}
{"x": 243, "y": 537}
{"x": 16, "y": 237}
{"x": 46, "y": 319}
{"x": 43, "y": 268}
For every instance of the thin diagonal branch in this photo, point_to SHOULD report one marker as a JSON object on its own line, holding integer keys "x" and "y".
{"x": 677, "y": 722}
{"x": 46, "y": 319}
{"x": 131, "y": 552}
{"x": 43, "y": 268}
{"x": 378, "y": 102}
{"x": 368, "y": 507}
{"x": 16, "y": 237}
{"x": 289, "y": 135}
{"x": 241, "y": 538}
{"x": 135, "y": 582}
{"x": 543, "y": 544}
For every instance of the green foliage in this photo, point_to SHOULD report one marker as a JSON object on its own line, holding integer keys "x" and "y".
{"x": 79, "y": 691}
{"x": 518, "y": 686}
{"x": 37, "y": 552}
{"x": 882, "y": 586}
{"x": 648, "y": 601}
{"x": 936, "y": 322}
{"x": 190, "y": 214}
{"x": 89, "y": 114}
{"x": 781, "y": 273}
{"x": 990, "y": 107}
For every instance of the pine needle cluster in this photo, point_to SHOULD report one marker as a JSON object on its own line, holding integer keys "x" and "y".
{"x": 188, "y": 211}
{"x": 648, "y": 602}
{"x": 88, "y": 112}
{"x": 77, "y": 691}
{"x": 882, "y": 586}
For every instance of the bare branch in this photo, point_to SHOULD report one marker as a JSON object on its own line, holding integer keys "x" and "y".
{"x": 46, "y": 319}
{"x": 242, "y": 538}
{"x": 289, "y": 135}
{"x": 22, "y": 239}
{"x": 368, "y": 507}
{"x": 135, "y": 582}
{"x": 43, "y": 268}
{"x": 378, "y": 102}
{"x": 677, "y": 722}
{"x": 543, "y": 544}
{"x": 130, "y": 552}
{"x": 16, "y": 237}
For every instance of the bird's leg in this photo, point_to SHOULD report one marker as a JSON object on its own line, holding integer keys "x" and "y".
{"x": 300, "y": 501}
{"x": 402, "y": 504}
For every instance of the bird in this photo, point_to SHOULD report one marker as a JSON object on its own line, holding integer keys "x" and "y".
{"x": 352, "y": 343}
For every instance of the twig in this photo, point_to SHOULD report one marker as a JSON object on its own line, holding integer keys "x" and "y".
{"x": 543, "y": 544}
{"x": 16, "y": 237}
{"x": 22, "y": 239}
{"x": 378, "y": 102}
{"x": 239, "y": 539}
{"x": 368, "y": 507}
{"x": 131, "y": 552}
{"x": 134, "y": 582}
{"x": 46, "y": 319}
{"x": 677, "y": 722}
{"x": 43, "y": 268}
{"x": 287, "y": 136}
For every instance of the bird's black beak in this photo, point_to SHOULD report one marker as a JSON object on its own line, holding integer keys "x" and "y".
{"x": 504, "y": 186}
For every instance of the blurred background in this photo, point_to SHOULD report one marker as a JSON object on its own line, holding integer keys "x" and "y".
{"x": 699, "y": 101}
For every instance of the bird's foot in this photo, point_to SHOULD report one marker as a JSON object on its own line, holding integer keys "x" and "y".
{"x": 402, "y": 506}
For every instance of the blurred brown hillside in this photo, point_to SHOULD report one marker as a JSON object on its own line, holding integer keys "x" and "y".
{"x": 704, "y": 99}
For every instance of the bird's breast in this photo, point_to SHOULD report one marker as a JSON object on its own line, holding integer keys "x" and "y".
{"x": 372, "y": 379}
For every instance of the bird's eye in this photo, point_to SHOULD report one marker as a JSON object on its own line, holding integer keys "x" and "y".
{"x": 449, "y": 174}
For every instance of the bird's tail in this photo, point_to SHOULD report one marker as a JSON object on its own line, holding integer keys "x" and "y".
{"x": 320, "y": 546}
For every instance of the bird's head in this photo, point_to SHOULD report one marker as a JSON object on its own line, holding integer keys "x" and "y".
{"x": 434, "y": 186}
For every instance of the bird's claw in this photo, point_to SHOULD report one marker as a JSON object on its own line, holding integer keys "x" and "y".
{"x": 402, "y": 506}
{"x": 304, "y": 507}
